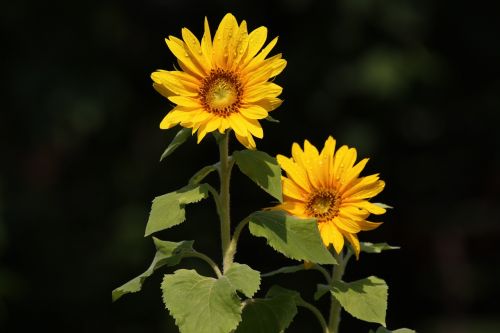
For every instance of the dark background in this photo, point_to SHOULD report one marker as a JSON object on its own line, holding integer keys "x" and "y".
{"x": 414, "y": 85}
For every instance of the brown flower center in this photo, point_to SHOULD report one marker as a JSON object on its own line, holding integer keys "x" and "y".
{"x": 221, "y": 92}
{"x": 323, "y": 204}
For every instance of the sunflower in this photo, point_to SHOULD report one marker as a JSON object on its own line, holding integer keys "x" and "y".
{"x": 223, "y": 83}
{"x": 326, "y": 186}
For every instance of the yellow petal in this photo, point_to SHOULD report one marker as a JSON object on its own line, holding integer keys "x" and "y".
{"x": 351, "y": 175}
{"x": 346, "y": 224}
{"x": 254, "y": 112}
{"x": 237, "y": 123}
{"x": 256, "y": 40}
{"x": 228, "y": 27}
{"x": 180, "y": 50}
{"x": 185, "y": 101}
{"x": 196, "y": 54}
{"x": 253, "y": 126}
{"x": 295, "y": 208}
{"x": 269, "y": 103}
{"x": 206, "y": 43}
{"x": 368, "y": 206}
{"x": 353, "y": 239}
{"x": 265, "y": 90}
{"x": 293, "y": 171}
{"x": 326, "y": 161}
{"x": 173, "y": 84}
{"x": 367, "y": 225}
{"x": 364, "y": 189}
{"x": 257, "y": 61}
{"x": 174, "y": 117}
{"x": 292, "y": 190}
{"x": 331, "y": 235}
{"x": 246, "y": 140}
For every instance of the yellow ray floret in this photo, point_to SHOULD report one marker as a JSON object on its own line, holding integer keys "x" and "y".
{"x": 223, "y": 83}
{"x": 326, "y": 185}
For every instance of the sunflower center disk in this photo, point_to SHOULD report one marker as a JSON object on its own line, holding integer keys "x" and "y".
{"x": 323, "y": 204}
{"x": 221, "y": 92}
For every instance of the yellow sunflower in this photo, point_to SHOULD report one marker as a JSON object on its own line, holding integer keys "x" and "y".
{"x": 223, "y": 83}
{"x": 326, "y": 185}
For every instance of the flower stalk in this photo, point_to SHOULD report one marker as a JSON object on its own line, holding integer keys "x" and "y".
{"x": 224, "y": 199}
{"x": 337, "y": 274}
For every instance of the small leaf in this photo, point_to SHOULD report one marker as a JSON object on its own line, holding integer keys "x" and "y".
{"x": 377, "y": 247}
{"x": 382, "y": 329}
{"x": 201, "y": 174}
{"x": 168, "y": 209}
{"x": 295, "y": 238}
{"x": 271, "y": 119}
{"x": 178, "y": 140}
{"x": 383, "y": 205}
{"x": 364, "y": 299}
{"x": 262, "y": 169}
{"x": 321, "y": 289}
{"x": 167, "y": 253}
{"x": 201, "y": 304}
{"x": 243, "y": 278}
{"x": 272, "y": 314}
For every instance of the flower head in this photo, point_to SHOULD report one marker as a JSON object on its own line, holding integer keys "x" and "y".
{"x": 223, "y": 83}
{"x": 326, "y": 185}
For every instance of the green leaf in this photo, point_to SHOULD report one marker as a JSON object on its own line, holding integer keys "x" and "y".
{"x": 167, "y": 253}
{"x": 271, "y": 119}
{"x": 377, "y": 247}
{"x": 383, "y": 205}
{"x": 178, "y": 140}
{"x": 201, "y": 304}
{"x": 243, "y": 278}
{"x": 168, "y": 210}
{"x": 385, "y": 330}
{"x": 262, "y": 169}
{"x": 201, "y": 174}
{"x": 272, "y": 314}
{"x": 364, "y": 299}
{"x": 321, "y": 289}
{"x": 295, "y": 238}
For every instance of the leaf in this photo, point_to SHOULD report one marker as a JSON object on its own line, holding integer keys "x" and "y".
{"x": 271, "y": 119}
{"x": 385, "y": 330}
{"x": 262, "y": 169}
{"x": 201, "y": 304}
{"x": 167, "y": 253}
{"x": 178, "y": 140}
{"x": 321, "y": 289}
{"x": 295, "y": 238}
{"x": 201, "y": 174}
{"x": 377, "y": 247}
{"x": 383, "y": 205}
{"x": 243, "y": 278}
{"x": 168, "y": 209}
{"x": 272, "y": 314}
{"x": 364, "y": 299}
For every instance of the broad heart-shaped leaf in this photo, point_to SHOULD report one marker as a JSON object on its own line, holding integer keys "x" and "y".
{"x": 272, "y": 314}
{"x": 178, "y": 140}
{"x": 262, "y": 169}
{"x": 377, "y": 247}
{"x": 167, "y": 253}
{"x": 364, "y": 299}
{"x": 201, "y": 304}
{"x": 168, "y": 209}
{"x": 385, "y": 330}
{"x": 295, "y": 238}
{"x": 243, "y": 278}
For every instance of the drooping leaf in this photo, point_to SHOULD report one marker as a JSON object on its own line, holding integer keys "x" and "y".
{"x": 295, "y": 238}
{"x": 364, "y": 299}
{"x": 382, "y": 329}
{"x": 243, "y": 278}
{"x": 377, "y": 247}
{"x": 168, "y": 209}
{"x": 178, "y": 140}
{"x": 272, "y": 314}
{"x": 167, "y": 253}
{"x": 262, "y": 169}
{"x": 201, "y": 174}
{"x": 201, "y": 304}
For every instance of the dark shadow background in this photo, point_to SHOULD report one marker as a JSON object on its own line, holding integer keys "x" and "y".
{"x": 412, "y": 84}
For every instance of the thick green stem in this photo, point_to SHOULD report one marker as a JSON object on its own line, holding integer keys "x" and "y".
{"x": 225, "y": 176}
{"x": 335, "y": 308}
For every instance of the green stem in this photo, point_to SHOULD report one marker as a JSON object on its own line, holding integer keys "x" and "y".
{"x": 225, "y": 176}
{"x": 323, "y": 271}
{"x": 317, "y": 313}
{"x": 234, "y": 240}
{"x": 286, "y": 269}
{"x": 207, "y": 260}
{"x": 335, "y": 308}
